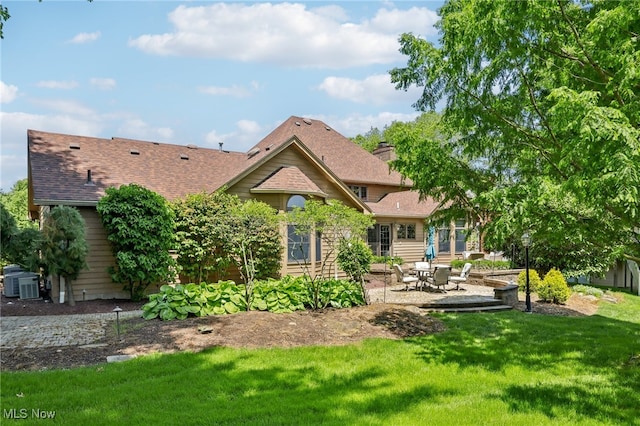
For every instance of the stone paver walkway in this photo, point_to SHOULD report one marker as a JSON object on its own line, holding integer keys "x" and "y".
{"x": 56, "y": 330}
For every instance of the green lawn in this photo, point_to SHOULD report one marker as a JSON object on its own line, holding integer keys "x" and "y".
{"x": 498, "y": 368}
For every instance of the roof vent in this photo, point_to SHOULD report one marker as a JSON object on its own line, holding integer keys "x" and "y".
{"x": 253, "y": 152}
{"x": 306, "y": 121}
{"x": 298, "y": 123}
{"x": 269, "y": 148}
{"x": 74, "y": 146}
{"x": 192, "y": 146}
{"x": 184, "y": 157}
{"x": 134, "y": 152}
{"x": 327, "y": 128}
{"x": 89, "y": 181}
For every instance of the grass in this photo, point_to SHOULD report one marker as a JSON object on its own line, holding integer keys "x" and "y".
{"x": 486, "y": 369}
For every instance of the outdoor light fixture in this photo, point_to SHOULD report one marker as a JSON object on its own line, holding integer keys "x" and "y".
{"x": 526, "y": 241}
{"x": 117, "y": 310}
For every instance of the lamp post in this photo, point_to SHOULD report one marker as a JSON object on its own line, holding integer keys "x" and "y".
{"x": 526, "y": 240}
{"x": 117, "y": 310}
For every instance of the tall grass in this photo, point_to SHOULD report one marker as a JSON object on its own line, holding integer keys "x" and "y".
{"x": 486, "y": 369}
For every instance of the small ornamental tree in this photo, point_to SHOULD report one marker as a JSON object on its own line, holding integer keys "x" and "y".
{"x": 139, "y": 225}
{"x": 201, "y": 233}
{"x": 333, "y": 222}
{"x": 64, "y": 246}
{"x": 254, "y": 243}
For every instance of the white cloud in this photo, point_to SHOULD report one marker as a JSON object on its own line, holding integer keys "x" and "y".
{"x": 285, "y": 34}
{"x": 103, "y": 83}
{"x": 85, "y": 37}
{"x": 135, "y": 128}
{"x": 63, "y": 106}
{"x": 233, "y": 90}
{"x": 246, "y": 134}
{"x": 375, "y": 89}
{"x": 55, "y": 84}
{"x": 8, "y": 92}
{"x": 417, "y": 20}
{"x": 355, "y": 124}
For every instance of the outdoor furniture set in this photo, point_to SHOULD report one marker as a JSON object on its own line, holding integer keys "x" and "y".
{"x": 428, "y": 277}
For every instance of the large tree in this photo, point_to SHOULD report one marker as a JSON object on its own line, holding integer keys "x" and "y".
{"x": 541, "y": 119}
{"x": 139, "y": 225}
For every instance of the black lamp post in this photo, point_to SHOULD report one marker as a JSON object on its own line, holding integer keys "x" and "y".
{"x": 526, "y": 240}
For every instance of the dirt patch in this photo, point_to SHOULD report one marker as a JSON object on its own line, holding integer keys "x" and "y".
{"x": 246, "y": 329}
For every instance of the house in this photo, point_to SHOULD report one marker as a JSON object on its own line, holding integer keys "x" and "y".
{"x": 300, "y": 159}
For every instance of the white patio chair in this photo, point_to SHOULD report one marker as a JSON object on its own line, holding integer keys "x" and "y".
{"x": 404, "y": 278}
{"x": 462, "y": 277}
{"x": 440, "y": 277}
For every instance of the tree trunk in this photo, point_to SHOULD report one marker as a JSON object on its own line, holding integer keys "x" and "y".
{"x": 70, "y": 298}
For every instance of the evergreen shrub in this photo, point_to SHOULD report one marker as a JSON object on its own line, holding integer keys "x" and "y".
{"x": 554, "y": 288}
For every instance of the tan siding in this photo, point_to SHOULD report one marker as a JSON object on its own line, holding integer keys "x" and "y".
{"x": 289, "y": 157}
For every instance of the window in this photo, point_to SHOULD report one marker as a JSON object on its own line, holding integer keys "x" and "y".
{"x": 407, "y": 231}
{"x": 444, "y": 241}
{"x": 299, "y": 246}
{"x": 461, "y": 236}
{"x": 360, "y": 191}
{"x": 298, "y": 250}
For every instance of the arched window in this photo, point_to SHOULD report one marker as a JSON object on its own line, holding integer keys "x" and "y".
{"x": 295, "y": 201}
{"x": 298, "y": 244}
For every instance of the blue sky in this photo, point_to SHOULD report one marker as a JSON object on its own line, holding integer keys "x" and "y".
{"x": 200, "y": 72}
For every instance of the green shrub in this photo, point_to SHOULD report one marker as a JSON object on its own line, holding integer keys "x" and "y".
{"x": 588, "y": 290}
{"x": 279, "y": 296}
{"x": 177, "y": 302}
{"x": 343, "y": 293}
{"x": 554, "y": 287}
{"x": 226, "y": 297}
{"x": 534, "y": 280}
{"x": 481, "y": 264}
{"x": 354, "y": 258}
{"x": 389, "y": 260}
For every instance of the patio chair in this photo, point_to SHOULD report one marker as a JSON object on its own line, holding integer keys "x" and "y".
{"x": 462, "y": 277}
{"x": 440, "y": 278}
{"x": 404, "y": 278}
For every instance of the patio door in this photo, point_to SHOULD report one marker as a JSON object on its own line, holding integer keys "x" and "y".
{"x": 379, "y": 239}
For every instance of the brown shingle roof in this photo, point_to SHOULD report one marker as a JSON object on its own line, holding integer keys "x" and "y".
{"x": 289, "y": 180}
{"x": 405, "y": 204}
{"x": 349, "y": 161}
{"x": 59, "y": 165}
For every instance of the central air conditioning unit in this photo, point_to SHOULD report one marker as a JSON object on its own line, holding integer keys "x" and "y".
{"x": 29, "y": 288}
{"x": 11, "y": 285}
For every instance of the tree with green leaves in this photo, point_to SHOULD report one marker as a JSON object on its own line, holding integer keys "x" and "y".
{"x": 64, "y": 246}
{"x": 18, "y": 246}
{"x": 16, "y": 202}
{"x": 333, "y": 222}
{"x": 370, "y": 140}
{"x": 201, "y": 232}
{"x": 139, "y": 225}
{"x": 541, "y": 124}
{"x": 254, "y": 242}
